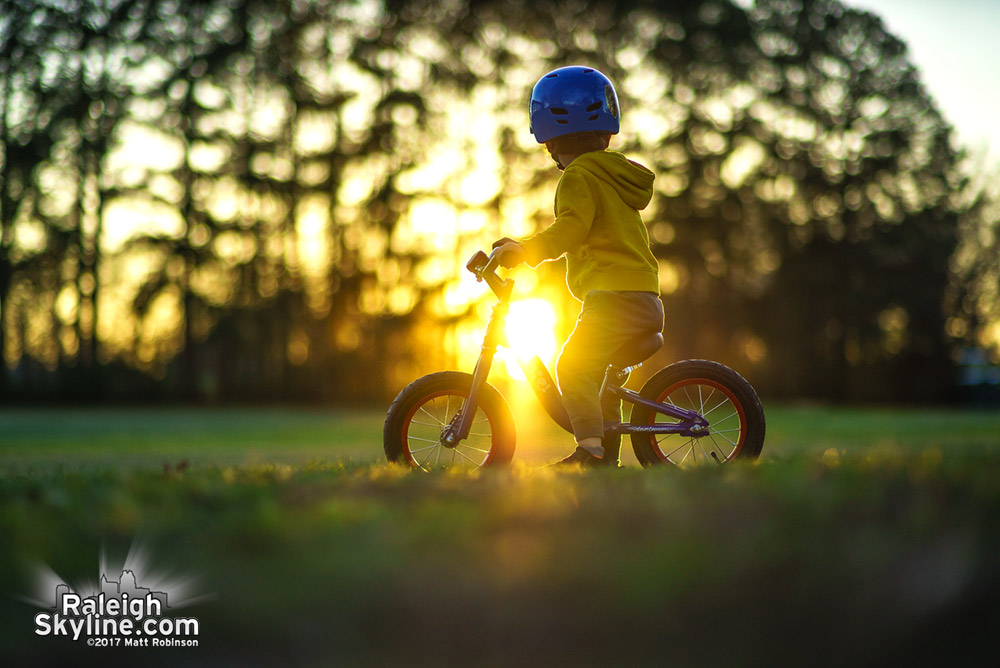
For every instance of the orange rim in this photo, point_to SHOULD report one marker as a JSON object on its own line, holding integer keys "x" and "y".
{"x": 705, "y": 406}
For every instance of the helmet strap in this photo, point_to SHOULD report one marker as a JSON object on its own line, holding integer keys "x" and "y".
{"x": 555, "y": 158}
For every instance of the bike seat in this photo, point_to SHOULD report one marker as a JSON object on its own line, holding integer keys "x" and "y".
{"x": 637, "y": 349}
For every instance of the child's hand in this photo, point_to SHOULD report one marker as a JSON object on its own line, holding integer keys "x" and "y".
{"x": 510, "y": 252}
{"x": 500, "y": 242}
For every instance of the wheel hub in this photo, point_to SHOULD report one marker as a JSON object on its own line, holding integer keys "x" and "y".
{"x": 698, "y": 431}
{"x": 449, "y": 437}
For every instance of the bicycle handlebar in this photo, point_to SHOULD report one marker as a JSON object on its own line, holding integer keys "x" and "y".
{"x": 484, "y": 268}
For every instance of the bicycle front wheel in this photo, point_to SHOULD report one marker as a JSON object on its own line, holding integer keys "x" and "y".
{"x": 420, "y": 414}
{"x": 717, "y": 393}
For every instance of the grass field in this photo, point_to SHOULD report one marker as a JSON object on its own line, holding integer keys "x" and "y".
{"x": 862, "y": 537}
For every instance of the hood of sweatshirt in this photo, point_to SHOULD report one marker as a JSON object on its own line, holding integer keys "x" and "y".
{"x": 632, "y": 181}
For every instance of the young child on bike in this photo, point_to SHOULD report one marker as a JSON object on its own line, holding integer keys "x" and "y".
{"x": 609, "y": 266}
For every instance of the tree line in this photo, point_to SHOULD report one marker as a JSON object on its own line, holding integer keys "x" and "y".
{"x": 240, "y": 199}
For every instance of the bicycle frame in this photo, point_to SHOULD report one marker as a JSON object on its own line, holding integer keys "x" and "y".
{"x": 689, "y": 423}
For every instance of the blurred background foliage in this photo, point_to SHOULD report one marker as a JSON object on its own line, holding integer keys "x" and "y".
{"x": 274, "y": 200}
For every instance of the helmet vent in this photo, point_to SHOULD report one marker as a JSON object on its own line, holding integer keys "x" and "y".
{"x": 593, "y": 118}
{"x": 595, "y": 106}
{"x": 551, "y": 76}
{"x": 559, "y": 111}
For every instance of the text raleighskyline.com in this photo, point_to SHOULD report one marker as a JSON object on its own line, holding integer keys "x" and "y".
{"x": 113, "y": 612}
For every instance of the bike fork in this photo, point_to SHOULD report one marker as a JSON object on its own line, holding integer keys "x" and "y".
{"x": 460, "y": 426}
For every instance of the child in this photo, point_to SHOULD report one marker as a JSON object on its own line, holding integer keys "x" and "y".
{"x": 574, "y": 112}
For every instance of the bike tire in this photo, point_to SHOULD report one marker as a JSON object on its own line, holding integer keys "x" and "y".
{"x": 422, "y": 410}
{"x": 723, "y": 396}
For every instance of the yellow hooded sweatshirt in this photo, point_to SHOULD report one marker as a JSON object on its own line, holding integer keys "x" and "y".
{"x": 598, "y": 226}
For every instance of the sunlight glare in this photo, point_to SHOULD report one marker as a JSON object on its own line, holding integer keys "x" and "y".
{"x": 433, "y": 222}
{"x": 530, "y": 331}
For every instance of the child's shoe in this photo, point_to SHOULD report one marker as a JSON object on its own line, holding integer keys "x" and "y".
{"x": 585, "y": 459}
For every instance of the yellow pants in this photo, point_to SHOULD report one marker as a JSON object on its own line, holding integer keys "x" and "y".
{"x": 607, "y": 320}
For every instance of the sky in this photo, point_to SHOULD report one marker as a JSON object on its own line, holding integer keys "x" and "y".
{"x": 956, "y": 46}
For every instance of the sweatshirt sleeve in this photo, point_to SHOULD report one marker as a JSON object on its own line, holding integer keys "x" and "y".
{"x": 575, "y": 209}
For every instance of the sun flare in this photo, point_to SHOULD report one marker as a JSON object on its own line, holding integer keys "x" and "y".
{"x": 530, "y": 331}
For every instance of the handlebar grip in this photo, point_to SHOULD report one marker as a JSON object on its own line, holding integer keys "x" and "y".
{"x": 478, "y": 262}
{"x": 484, "y": 267}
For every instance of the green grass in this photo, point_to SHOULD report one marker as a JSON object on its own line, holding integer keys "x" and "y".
{"x": 862, "y": 537}
{"x": 137, "y": 438}
{"x": 41, "y": 439}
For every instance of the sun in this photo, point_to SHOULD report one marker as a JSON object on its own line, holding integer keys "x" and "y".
{"x": 531, "y": 327}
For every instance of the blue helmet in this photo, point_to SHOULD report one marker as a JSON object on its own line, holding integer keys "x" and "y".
{"x": 572, "y": 99}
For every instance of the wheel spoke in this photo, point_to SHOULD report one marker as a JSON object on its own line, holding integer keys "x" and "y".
{"x": 720, "y": 449}
{"x": 424, "y": 410}
{"x": 734, "y": 414}
{"x": 709, "y": 398}
{"x": 732, "y": 443}
{"x": 688, "y": 395}
{"x": 671, "y": 453}
{"x": 435, "y": 441}
{"x": 715, "y": 447}
{"x": 466, "y": 445}
{"x": 711, "y": 410}
{"x": 702, "y": 448}
{"x": 427, "y": 424}
{"x": 426, "y": 459}
{"x": 467, "y": 457}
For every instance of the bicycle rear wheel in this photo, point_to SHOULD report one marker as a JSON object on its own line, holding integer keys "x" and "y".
{"x": 420, "y": 414}
{"x": 730, "y": 404}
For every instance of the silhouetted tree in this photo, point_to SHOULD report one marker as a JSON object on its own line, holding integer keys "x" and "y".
{"x": 805, "y": 213}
